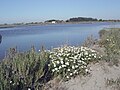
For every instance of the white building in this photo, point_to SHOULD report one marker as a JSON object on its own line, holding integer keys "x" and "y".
{"x": 53, "y": 22}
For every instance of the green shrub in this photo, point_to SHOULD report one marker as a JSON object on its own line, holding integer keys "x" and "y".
{"x": 23, "y": 70}
{"x": 110, "y": 40}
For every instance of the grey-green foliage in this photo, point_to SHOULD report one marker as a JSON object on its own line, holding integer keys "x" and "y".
{"x": 90, "y": 41}
{"x": 114, "y": 83}
{"x": 110, "y": 39}
{"x": 20, "y": 71}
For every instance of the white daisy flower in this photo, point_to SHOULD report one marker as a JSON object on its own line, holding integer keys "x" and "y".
{"x": 95, "y": 56}
{"x": 71, "y": 74}
{"x": 86, "y": 70}
{"x": 86, "y": 53}
{"x": 67, "y": 77}
{"x": 62, "y": 62}
{"x": 75, "y": 71}
{"x": 68, "y": 69}
{"x": 82, "y": 66}
{"x": 73, "y": 67}
{"x": 89, "y": 58}
{"x": 76, "y": 66}
{"x": 54, "y": 64}
{"x": 60, "y": 67}
{"x": 10, "y": 81}
{"x": 63, "y": 65}
{"x": 53, "y": 70}
{"x": 56, "y": 69}
{"x": 67, "y": 63}
{"x": 29, "y": 89}
{"x": 49, "y": 65}
{"x": 90, "y": 55}
{"x": 58, "y": 62}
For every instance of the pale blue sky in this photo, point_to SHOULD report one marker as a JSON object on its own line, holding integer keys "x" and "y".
{"x": 12, "y": 11}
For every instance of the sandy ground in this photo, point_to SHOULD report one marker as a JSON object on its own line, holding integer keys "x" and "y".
{"x": 100, "y": 72}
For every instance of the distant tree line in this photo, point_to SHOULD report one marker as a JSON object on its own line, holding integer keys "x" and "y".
{"x": 79, "y": 19}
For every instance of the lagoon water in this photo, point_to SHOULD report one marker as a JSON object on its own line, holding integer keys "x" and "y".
{"x": 49, "y": 36}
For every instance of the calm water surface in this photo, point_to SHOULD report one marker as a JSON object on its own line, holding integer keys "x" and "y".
{"x": 49, "y": 36}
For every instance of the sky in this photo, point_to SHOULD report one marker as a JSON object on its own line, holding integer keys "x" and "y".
{"x": 16, "y": 11}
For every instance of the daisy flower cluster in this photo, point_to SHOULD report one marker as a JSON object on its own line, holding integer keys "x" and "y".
{"x": 69, "y": 61}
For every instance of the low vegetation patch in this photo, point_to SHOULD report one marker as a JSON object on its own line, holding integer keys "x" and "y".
{"x": 113, "y": 83}
{"x": 110, "y": 40}
{"x": 70, "y": 61}
{"x": 31, "y": 70}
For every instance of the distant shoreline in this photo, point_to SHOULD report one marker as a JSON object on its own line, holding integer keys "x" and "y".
{"x": 42, "y": 24}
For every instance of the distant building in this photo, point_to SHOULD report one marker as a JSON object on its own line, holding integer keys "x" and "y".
{"x": 53, "y": 22}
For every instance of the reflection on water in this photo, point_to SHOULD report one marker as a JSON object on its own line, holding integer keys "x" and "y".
{"x": 0, "y": 38}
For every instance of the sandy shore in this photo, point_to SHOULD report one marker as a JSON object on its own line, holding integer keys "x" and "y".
{"x": 100, "y": 75}
{"x": 97, "y": 79}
